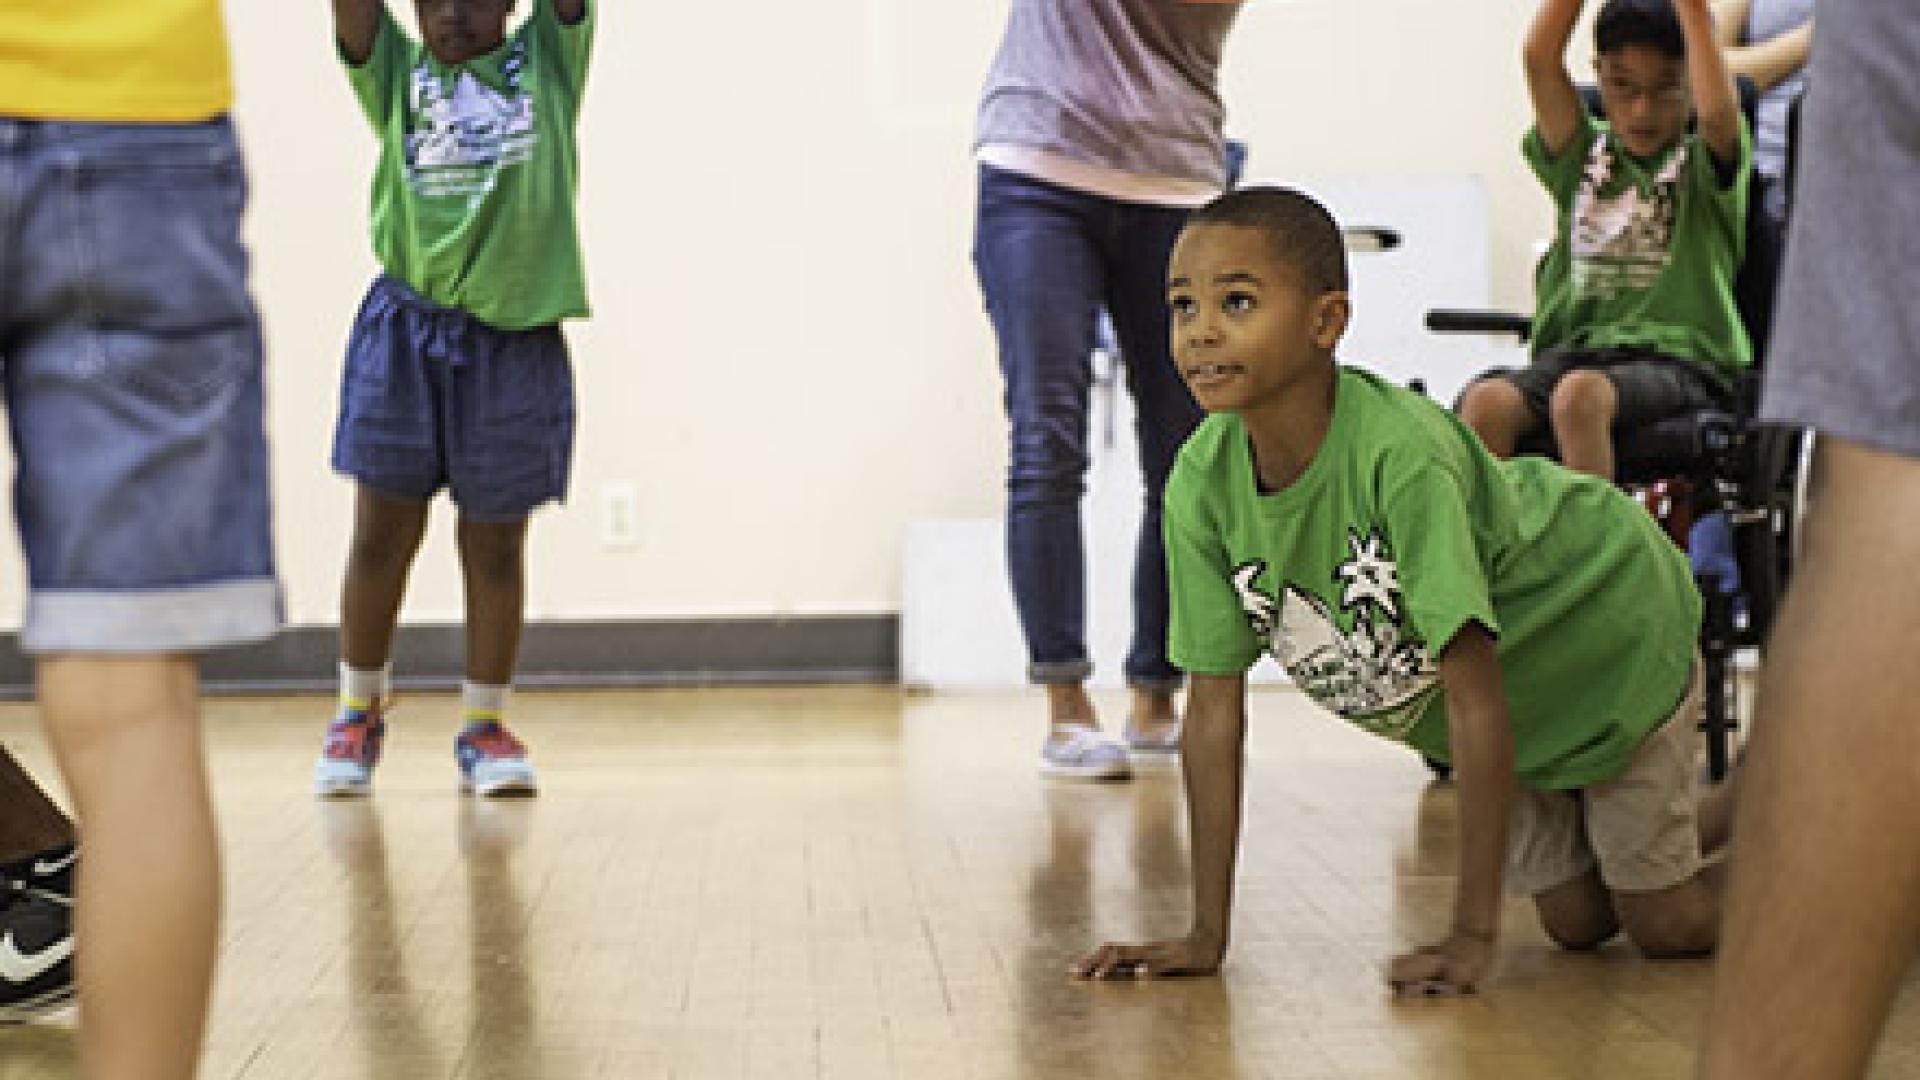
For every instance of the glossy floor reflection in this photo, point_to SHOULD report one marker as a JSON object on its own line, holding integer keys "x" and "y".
{"x": 853, "y": 884}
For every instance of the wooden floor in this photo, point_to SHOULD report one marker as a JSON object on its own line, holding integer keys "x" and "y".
{"x": 853, "y": 883}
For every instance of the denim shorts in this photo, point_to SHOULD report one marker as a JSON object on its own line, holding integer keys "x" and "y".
{"x": 433, "y": 398}
{"x": 130, "y": 358}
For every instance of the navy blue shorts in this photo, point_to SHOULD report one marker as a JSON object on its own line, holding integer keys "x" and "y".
{"x": 433, "y": 398}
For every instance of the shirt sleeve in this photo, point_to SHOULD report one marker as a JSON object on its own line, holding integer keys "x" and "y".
{"x": 1724, "y": 192}
{"x": 377, "y": 82}
{"x": 1443, "y": 585}
{"x": 564, "y": 47}
{"x": 1208, "y": 631}
{"x": 1560, "y": 173}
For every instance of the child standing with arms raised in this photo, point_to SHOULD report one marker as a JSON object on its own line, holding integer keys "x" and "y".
{"x": 457, "y": 375}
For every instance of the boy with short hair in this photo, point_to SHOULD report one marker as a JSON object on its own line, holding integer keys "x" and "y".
{"x": 1635, "y": 314}
{"x": 1526, "y": 624}
{"x": 457, "y": 375}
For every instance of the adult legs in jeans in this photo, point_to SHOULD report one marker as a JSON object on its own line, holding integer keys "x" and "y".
{"x": 1045, "y": 258}
{"x": 1165, "y": 414}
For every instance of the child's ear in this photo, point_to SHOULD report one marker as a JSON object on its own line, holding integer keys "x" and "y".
{"x": 1331, "y": 312}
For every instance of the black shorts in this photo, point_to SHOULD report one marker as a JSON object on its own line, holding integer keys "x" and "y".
{"x": 1651, "y": 386}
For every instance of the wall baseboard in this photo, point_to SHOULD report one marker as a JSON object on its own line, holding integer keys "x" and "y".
{"x": 832, "y": 649}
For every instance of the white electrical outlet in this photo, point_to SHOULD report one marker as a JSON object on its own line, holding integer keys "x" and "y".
{"x": 620, "y": 516}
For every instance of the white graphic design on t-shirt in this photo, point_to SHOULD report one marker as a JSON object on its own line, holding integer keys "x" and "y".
{"x": 1622, "y": 241}
{"x": 1373, "y": 676}
{"x": 466, "y": 132}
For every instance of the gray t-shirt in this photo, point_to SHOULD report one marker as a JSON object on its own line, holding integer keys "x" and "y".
{"x": 1766, "y": 20}
{"x": 1131, "y": 85}
{"x": 1845, "y": 357}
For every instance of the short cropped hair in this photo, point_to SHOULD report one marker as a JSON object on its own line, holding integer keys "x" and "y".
{"x": 1303, "y": 234}
{"x": 1651, "y": 23}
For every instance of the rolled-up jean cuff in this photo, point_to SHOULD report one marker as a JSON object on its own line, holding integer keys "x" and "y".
{"x": 1054, "y": 673}
{"x": 1160, "y": 685}
{"x": 148, "y": 621}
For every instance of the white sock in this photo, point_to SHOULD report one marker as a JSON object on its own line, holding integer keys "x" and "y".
{"x": 480, "y": 704}
{"x": 358, "y": 686}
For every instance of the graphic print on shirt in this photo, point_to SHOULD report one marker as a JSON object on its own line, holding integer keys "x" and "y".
{"x": 1623, "y": 239}
{"x": 464, "y": 132}
{"x": 1377, "y": 676}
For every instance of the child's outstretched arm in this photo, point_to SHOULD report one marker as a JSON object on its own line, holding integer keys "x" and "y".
{"x": 1212, "y": 762}
{"x": 570, "y": 11}
{"x": 1482, "y": 736}
{"x": 1716, "y": 103}
{"x": 1557, "y": 109}
{"x": 356, "y": 23}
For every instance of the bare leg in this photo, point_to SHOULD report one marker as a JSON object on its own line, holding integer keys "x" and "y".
{"x": 1826, "y": 862}
{"x": 1069, "y": 706}
{"x": 1497, "y": 412}
{"x": 127, "y": 734}
{"x": 29, "y": 821}
{"x": 1153, "y": 714}
{"x": 386, "y": 536}
{"x": 1714, "y": 812}
{"x": 493, "y": 567}
{"x": 1582, "y": 410}
{"x": 1675, "y": 923}
{"x": 1578, "y": 915}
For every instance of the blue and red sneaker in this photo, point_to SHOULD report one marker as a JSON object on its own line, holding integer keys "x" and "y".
{"x": 492, "y": 761}
{"x": 345, "y": 768}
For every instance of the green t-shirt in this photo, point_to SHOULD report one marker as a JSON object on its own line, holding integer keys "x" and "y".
{"x": 1644, "y": 252}
{"x": 473, "y": 199}
{"x": 1401, "y": 531}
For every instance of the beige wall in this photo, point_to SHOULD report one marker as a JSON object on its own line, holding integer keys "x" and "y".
{"x": 788, "y": 361}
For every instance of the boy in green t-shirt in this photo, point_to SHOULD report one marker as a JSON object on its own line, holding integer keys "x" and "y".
{"x": 457, "y": 375}
{"x": 1527, "y": 624}
{"x": 1635, "y": 318}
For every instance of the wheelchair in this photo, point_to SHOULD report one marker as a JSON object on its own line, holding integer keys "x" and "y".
{"x": 1713, "y": 461}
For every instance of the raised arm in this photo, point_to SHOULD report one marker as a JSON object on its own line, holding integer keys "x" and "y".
{"x": 1556, "y": 104}
{"x": 1482, "y": 738}
{"x": 1212, "y": 760}
{"x": 1716, "y": 103}
{"x": 570, "y": 11}
{"x": 356, "y": 23}
{"x": 1730, "y": 23}
{"x": 1768, "y": 63}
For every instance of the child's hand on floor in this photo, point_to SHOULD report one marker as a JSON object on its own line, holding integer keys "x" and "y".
{"x": 1457, "y": 966}
{"x": 1161, "y": 959}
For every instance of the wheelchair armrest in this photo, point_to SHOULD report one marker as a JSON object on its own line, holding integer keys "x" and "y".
{"x": 1369, "y": 238}
{"x": 1475, "y": 321}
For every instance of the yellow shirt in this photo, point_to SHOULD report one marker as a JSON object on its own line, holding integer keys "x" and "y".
{"x": 135, "y": 60}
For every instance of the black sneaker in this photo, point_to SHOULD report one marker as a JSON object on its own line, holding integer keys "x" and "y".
{"x": 36, "y": 953}
{"x": 49, "y": 873}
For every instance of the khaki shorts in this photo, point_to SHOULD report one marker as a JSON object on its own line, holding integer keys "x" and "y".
{"x": 1638, "y": 827}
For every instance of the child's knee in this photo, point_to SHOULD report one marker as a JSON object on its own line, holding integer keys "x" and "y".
{"x": 495, "y": 554}
{"x": 1583, "y": 397}
{"x": 1676, "y": 923}
{"x": 1578, "y": 915}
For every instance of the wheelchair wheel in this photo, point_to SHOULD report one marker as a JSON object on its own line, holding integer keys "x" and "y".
{"x": 1765, "y": 535}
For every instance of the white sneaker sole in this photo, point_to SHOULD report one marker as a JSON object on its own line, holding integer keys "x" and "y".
{"x": 1112, "y": 771}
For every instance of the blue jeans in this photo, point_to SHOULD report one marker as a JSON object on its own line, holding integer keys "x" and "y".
{"x": 130, "y": 356}
{"x": 1049, "y": 259}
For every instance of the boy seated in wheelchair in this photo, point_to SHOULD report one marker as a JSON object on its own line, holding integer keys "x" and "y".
{"x": 1636, "y": 319}
{"x": 1519, "y": 621}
